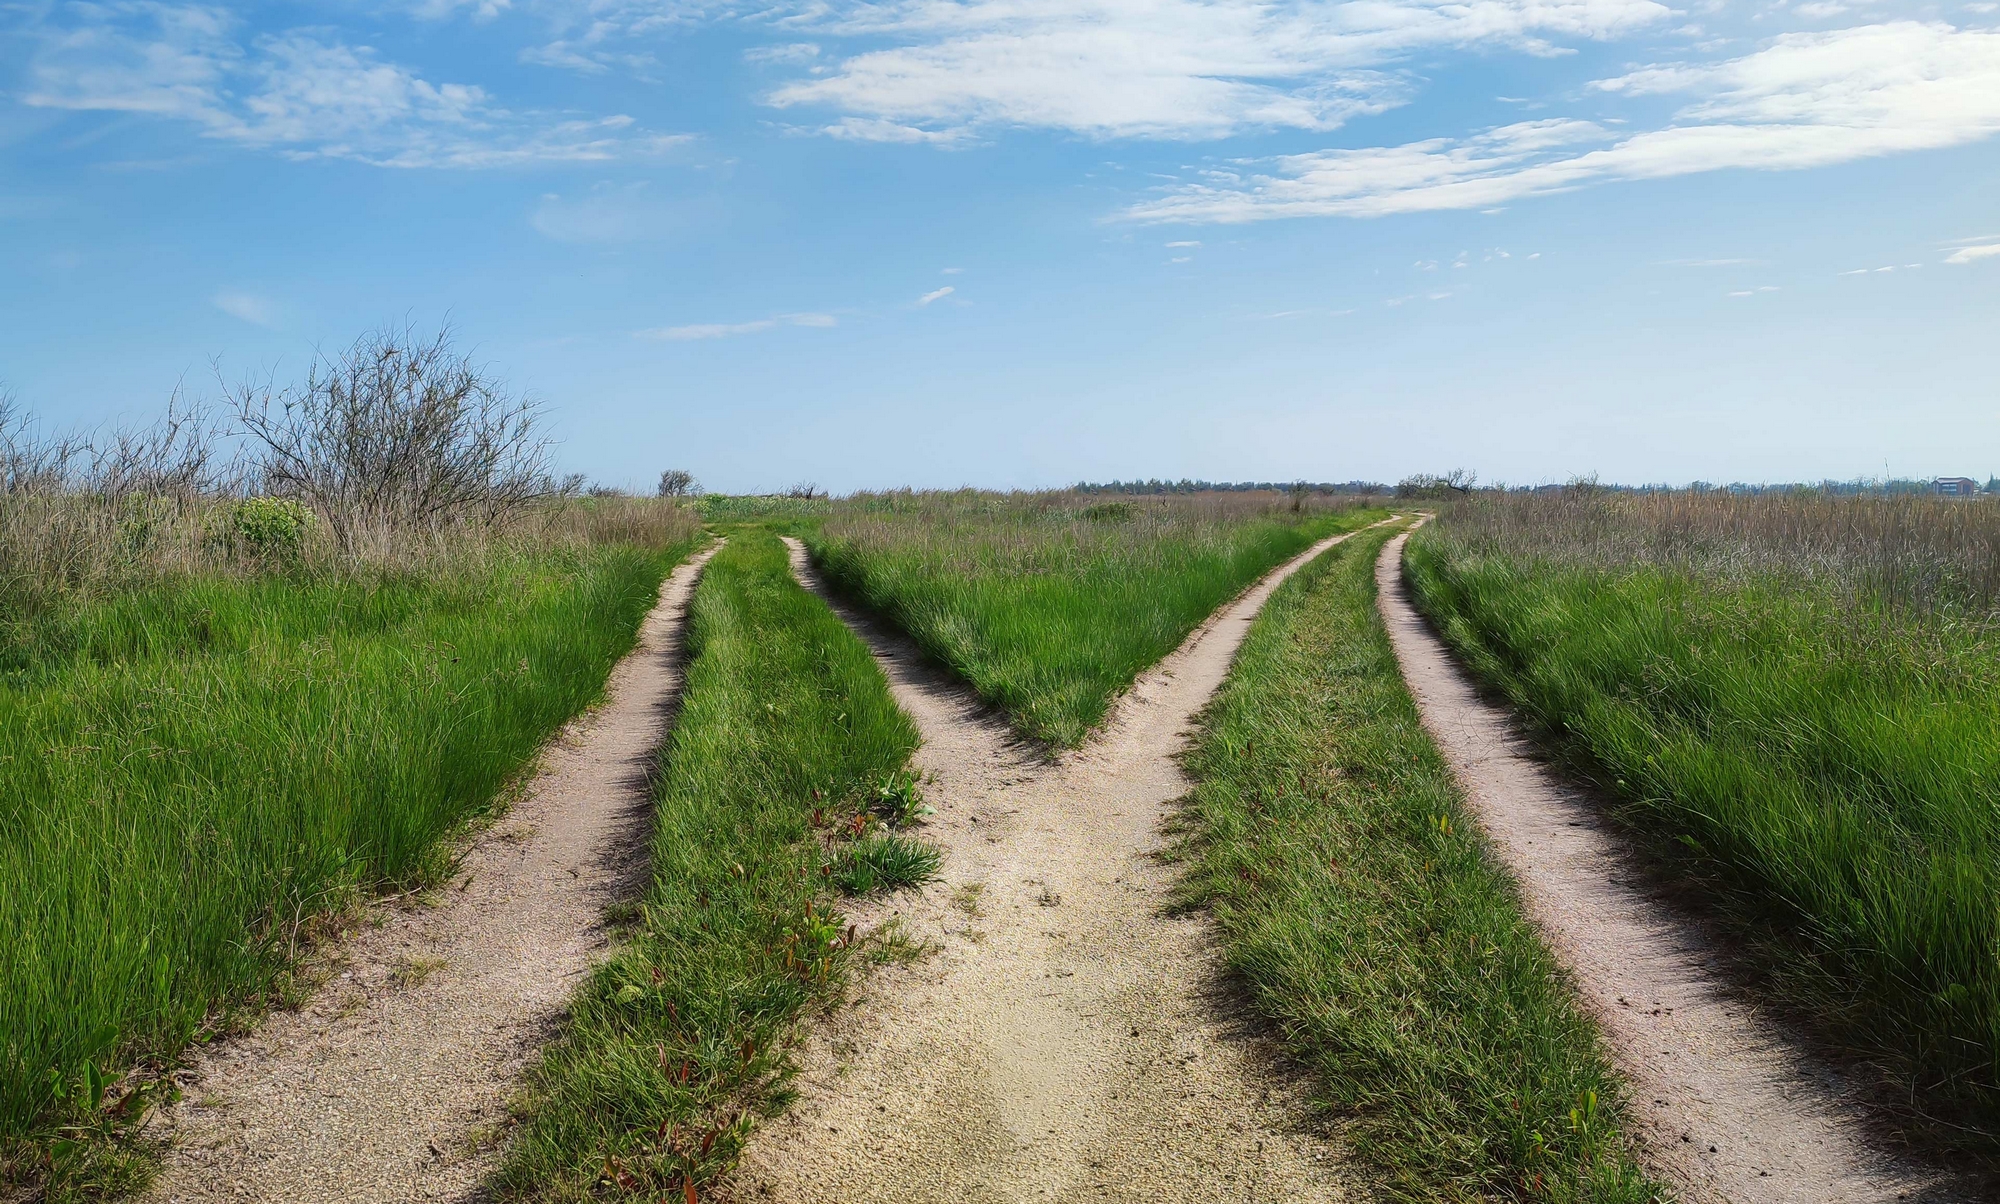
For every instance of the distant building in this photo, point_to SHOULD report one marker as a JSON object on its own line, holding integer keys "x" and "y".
{"x": 1956, "y": 486}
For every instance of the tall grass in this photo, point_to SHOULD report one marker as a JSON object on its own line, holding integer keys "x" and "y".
{"x": 786, "y": 739}
{"x": 1361, "y": 906}
{"x": 1050, "y": 604}
{"x": 200, "y": 757}
{"x": 1796, "y": 702}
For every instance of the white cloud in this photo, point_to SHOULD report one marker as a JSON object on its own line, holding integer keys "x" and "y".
{"x": 1157, "y": 68}
{"x": 1805, "y": 100}
{"x": 608, "y": 213}
{"x": 724, "y": 330}
{"x": 791, "y": 52}
{"x": 936, "y": 294}
{"x": 247, "y": 307}
{"x": 299, "y": 93}
{"x": 1185, "y": 242}
{"x": 950, "y": 271}
{"x": 1974, "y": 251}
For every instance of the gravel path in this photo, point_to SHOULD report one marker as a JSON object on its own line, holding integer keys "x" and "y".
{"x": 1727, "y": 1109}
{"x": 1065, "y": 1039}
{"x": 390, "y": 1083}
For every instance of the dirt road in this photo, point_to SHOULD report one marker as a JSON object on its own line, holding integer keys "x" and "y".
{"x": 1729, "y": 1111}
{"x": 381, "y": 1088}
{"x": 1066, "y": 1039}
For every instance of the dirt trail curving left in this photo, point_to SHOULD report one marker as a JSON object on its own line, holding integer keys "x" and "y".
{"x": 1066, "y": 1039}
{"x": 389, "y": 1083}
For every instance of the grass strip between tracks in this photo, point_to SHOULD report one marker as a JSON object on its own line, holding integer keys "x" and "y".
{"x": 1362, "y": 907}
{"x": 785, "y": 740}
{"x": 194, "y": 774}
{"x": 1049, "y": 611}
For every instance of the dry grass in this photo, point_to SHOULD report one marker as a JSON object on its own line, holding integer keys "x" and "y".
{"x": 1902, "y": 551}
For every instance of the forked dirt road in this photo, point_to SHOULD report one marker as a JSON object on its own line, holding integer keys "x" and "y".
{"x": 380, "y": 1088}
{"x": 1065, "y": 1040}
{"x": 1728, "y": 1111}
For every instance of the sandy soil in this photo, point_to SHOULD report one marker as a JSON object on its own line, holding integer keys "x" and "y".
{"x": 1728, "y": 1109}
{"x": 390, "y": 1082}
{"x": 1065, "y": 1039}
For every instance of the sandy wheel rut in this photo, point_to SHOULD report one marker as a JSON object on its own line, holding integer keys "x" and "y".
{"x": 1067, "y": 1039}
{"x": 1727, "y": 1110}
{"x": 386, "y": 1085}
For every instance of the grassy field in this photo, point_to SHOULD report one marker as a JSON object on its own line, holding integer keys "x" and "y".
{"x": 788, "y": 749}
{"x": 1796, "y": 703}
{"x": 199, "y": 762}
{"x": 1050, "y": 604}
{"x": 1361, "y": 906}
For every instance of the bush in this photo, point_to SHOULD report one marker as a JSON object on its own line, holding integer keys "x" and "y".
{"x": 272, "y": 528}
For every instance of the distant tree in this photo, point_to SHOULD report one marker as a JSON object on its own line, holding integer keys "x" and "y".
{"x": 805, "y": 491}
{"x": 678, "y": 482}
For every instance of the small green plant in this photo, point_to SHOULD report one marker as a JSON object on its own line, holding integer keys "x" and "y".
{"x": 886, "y": 862}
{"x": 899, "y": 800}
{"x": 269, "y": 528}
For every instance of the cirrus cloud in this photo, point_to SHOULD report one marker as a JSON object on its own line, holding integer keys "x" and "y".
{"x": 301, "y": 92}
{"x": 1805, "y": 100}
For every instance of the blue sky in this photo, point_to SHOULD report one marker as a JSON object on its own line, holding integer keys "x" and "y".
{"x": 1025, "y": 242}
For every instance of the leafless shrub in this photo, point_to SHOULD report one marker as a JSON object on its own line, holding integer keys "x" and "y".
{"x": 805, "y": 491}
{"x": 178, "y": 456}
{"x": 399, "y": 431}
{"x": 677, "y": 482}
{"x": 1427, "y": 485}
{"x": 31, "y": 460}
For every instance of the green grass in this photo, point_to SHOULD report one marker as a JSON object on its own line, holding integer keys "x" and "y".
{"x": 787, "y": 743}
{"x": 192, "y": 772}
{"x": 1361, "y": 906}
{"x": 1049, "y": 605}
{"x": 1822, "y": 765}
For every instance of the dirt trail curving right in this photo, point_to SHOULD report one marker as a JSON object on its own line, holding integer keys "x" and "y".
{"x": 1727, "y": 1109}
{"x": 1066, "y": 1039}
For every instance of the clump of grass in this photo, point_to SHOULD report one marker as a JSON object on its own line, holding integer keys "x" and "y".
{"x": 889, "y": 861}
{"x": 1811, "y": 733}
{"x": 1369, "y": 920}
{"x": 678, "y": 1042}
{"x": 193, "y": 771}
{"x": 1050, "y": 604}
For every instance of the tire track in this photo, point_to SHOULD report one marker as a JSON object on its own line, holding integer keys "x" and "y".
{"x": 1065, "y": 1039}
{"x": 390, "y": 1084}
{"x": 1726, "y": 1108}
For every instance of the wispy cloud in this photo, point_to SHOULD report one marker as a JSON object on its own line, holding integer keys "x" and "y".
{"x": 247, "y": 307}
{"x": 1805, "y": 100}
{"x": 1974, "y": 249}
{"x": 303, "y": 93}
{"x": 608, "y": 213}
{"x": 724, "y": 330}
{"x": 936, "y": 294}
{"x": 1178, "y": 69}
